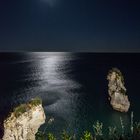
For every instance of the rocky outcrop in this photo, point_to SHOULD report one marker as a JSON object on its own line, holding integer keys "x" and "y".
{"x": 117, "y": 91}
{"x": 24, "y": 122}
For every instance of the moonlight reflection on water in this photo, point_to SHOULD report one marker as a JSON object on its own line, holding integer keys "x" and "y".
{"x": 59, "y": 96}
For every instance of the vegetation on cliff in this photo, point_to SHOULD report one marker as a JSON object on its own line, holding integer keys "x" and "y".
{"x": 26, "y": 107}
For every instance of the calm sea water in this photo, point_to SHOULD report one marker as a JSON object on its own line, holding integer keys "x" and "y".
{"x": 73, "y": 87}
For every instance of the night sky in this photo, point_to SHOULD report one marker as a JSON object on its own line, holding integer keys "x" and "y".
{"x": 70, "y": 25}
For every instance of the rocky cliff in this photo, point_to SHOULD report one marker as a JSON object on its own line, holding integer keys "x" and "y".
{"x": 24, "y": 122}
{"x": 117, "y": 91}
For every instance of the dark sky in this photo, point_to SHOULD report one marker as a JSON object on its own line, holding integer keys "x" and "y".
{"x": 70, "y": 25}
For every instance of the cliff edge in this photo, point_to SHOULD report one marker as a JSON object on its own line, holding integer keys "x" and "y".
{"x": 24, "y": 122}
{"x": 117, "y": 91}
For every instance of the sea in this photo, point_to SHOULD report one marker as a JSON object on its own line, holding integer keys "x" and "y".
{"x": 73, "y": 88}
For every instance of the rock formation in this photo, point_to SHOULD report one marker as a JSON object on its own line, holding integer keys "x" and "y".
{"x": 117, "y": 91}
{"x": 24, "y": 122}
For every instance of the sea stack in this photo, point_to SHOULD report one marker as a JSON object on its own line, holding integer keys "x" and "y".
{"x": 24, "y": 122}
{"x": 117, "y": 91}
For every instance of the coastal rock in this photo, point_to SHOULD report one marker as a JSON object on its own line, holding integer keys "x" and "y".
{"x": 24, "y": 122}
{"x": 117, "y": 91}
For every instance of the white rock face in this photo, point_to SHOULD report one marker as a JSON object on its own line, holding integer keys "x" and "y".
{"x": 117, "y": 91}
{"x": 25, "y": 126}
